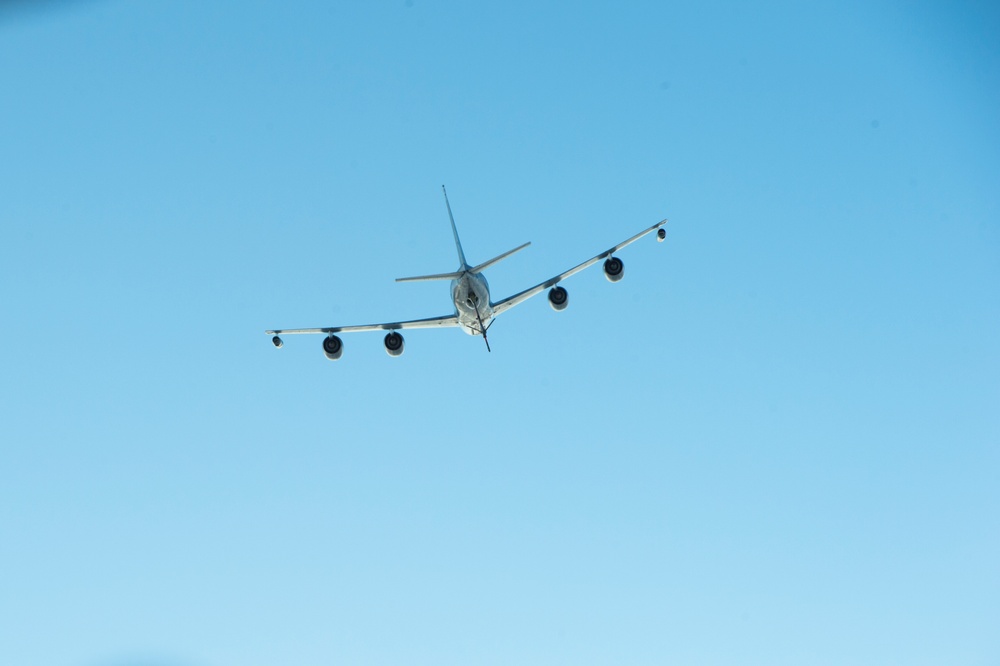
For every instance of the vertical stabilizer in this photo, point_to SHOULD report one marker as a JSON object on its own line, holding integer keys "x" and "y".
{"x": 454, "y": 230}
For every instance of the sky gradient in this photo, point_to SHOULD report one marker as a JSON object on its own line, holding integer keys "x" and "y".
{"x": 776, "y": 441}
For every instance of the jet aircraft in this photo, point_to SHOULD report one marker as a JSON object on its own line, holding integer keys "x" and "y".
{"x": 474, "y": 312}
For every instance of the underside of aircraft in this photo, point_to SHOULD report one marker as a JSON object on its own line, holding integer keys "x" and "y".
{"x": 473, "y": 310}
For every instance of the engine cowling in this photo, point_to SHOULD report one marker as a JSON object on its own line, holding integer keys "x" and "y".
{"x": 614, "y": 269}
{"x": 394, "y": 344}
{"x": 558, "y": 298}
{"x": 333, "y": 347}
{"x": 276, "y": 341}
{"x": 661, "y": 234}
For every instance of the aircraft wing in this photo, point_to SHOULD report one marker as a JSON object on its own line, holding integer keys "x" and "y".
{"x": 517, "y": 299}
{"x": 433, "y": 322}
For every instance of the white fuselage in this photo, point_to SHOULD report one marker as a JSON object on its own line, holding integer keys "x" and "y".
{"x": 471, "y": 295}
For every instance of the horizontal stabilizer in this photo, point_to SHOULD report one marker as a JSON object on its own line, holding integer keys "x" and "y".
{"x": 428, "y": 278}
{"x": 486, "y": 264}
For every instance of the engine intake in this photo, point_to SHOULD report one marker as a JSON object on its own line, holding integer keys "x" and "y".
{"x": 614, "y": 269}
{"x": 394, "y": 344}
{"x": 276, "y": 341}
{"x": 333, "y": 347}
{"x": 558, "y": 298}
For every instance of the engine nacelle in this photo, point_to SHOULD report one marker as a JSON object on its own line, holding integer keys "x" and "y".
{"x": 276, "y": 341}
{"x": 614, "y": 269}
{"x": 333, "y": 347}
{"x": 661, "y": 234}
{"x": 394, "y": 344}
{"x": 558, "y": 298}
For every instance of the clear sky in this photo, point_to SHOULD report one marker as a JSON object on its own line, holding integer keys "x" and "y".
{"x": 777, "y": 441}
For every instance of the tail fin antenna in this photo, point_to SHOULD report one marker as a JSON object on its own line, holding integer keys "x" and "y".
{"x": 454, "y": 230}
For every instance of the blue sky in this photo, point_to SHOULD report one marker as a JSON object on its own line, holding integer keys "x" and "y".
{"x": 775, "y": 442}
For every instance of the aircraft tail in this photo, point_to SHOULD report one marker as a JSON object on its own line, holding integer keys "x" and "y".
{"x": 454, "y": 231}
{"x": 461, "y": 255}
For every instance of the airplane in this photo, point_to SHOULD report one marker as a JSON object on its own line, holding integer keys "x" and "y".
{"x": 474, "y": 312}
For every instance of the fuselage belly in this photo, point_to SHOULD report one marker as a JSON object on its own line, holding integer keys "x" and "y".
{"x": 471, "y": 295}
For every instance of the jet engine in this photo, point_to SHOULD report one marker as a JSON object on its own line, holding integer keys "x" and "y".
{"x": 277, "y": 342}
{"x": 558, "y": 298}
{"x": 333, "y": 347}
{"x": 614, "y": 269}
{"x": 394, "y": 344}
{"x": 661, "y": 234}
